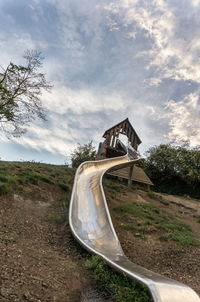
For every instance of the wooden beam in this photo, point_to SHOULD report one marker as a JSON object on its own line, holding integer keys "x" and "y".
{"x": 114, "y": 134}
{"x": 130, "y": 176}
{"x": 124, "y": 128}
{"x": 132, "y": 139}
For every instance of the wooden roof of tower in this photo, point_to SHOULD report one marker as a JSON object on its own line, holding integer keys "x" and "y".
{"x": 125, "y": 127}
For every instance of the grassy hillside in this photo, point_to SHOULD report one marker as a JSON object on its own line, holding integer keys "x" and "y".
{"x": 40, "y": 260}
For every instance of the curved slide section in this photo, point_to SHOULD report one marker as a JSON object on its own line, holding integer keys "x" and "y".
{"x": 92, "y": 227}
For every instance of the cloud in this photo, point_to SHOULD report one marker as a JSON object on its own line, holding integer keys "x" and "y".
{"x": 184, "y": 119}
{"x": 73, "y": 116}
{"x": 195, "y": 3}
{"x": 81, "y": 101}
{"x": 173, "y": 55}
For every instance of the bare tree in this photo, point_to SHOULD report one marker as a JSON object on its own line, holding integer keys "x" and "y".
{"x": 20, "y": 91}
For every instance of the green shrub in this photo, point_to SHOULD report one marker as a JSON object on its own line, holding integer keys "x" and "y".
{"x": 122, "y": 288}
{"x": 46, "y": 179}
{"x": 65, "y": 187}
{"x": 33, "y": 178}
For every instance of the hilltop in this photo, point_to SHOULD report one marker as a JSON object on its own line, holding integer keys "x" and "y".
{"x": 40, "y": 260}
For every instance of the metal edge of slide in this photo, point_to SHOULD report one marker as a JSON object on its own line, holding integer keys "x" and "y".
{"x": 162, "y": 289}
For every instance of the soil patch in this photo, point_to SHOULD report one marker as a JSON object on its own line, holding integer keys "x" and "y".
{"x": 39, "y": 260}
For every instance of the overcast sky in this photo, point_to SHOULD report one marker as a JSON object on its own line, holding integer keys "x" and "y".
{"x": 107, "y": 60}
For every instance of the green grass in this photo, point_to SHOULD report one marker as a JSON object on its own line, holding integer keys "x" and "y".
{"x": 160, "y": 198}
{"x": 139, "y": 229}
{"x": 151, "y": 194}
{"x": 118, "y": 285}
{"x": 61, "y": 215}
{"x": 17, "y": 175}
{"x": 5, "y": 188}
{"x": 114, "y": 187}
{"x": 65, "y": 187}
{"x": 6, "y": 181}
{"x": 46, "y": 179}
{"x": 151, "y": 218}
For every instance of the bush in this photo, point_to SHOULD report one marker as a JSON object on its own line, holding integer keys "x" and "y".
{"x": 122, "y": 288}
{"x": 83, "y": 153}
{"x": 174, "y": 169}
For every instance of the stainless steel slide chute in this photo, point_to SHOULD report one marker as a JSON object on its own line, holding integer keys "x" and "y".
{"x": 91, "y": 225}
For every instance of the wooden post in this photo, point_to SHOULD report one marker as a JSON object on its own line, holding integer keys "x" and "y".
{"x": 114, "y": 135}
{"x": 130, "y": 176}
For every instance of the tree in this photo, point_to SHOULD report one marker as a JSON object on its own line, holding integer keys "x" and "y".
{"x": 20, "y": 91}
{"x": 174, "y": 169}
{"x": 82, "y": 153}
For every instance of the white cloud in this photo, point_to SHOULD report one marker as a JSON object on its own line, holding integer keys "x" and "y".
{"x": 80, "y": 101}
{"x": 184, "y": 119}
{"x": 74, "y": 116}
{"x": 174, "y": 56}
{"x": 195, "y": 3}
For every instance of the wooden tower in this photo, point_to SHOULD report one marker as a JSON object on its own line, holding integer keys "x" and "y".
{"x": 112, "y": 147}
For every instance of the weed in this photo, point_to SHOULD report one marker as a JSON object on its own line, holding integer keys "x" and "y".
{"x": 21, "y": 180}
{"x": 139, "y": 229}
{"x": 71, "y": 181}
{"x": 46, "y": 179}
{"x": 120, "y": 286}
{"x": 8, "y": 179}
{"x": 61, "y": 215}
{"x": 4, "y": 188}
{"x": 33, "y": 178}
{"x": 53, "y": 175}
{"x": 65, "y": 187}
{"x": 113, "y": 187}
{"x": 172, "y": 228}
{"x": 160, "y": 198}
{"x": 9, "y": 239}
{"x": 57, "y": 218}
{"x": 151, "y": 194}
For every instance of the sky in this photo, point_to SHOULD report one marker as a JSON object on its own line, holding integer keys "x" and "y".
{"x": 107, "y": 60}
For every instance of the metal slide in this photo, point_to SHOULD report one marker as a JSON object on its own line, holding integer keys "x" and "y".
{"x": 92, "y": 227}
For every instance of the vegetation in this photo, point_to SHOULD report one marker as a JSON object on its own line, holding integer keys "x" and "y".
{"x": 120, "y": 286}
{"x": 18, "y": 175}
{"x": 152, "y": 195}
{"x": 6, "y": 181}
{"x": 174, "y": 169}
{"x": 113, "y": 187}
{"x": 151, "y": 219}
{"x": 82, "y": 153}
{"x": 60, "y": 216}
{"x": 20, "y": 91}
